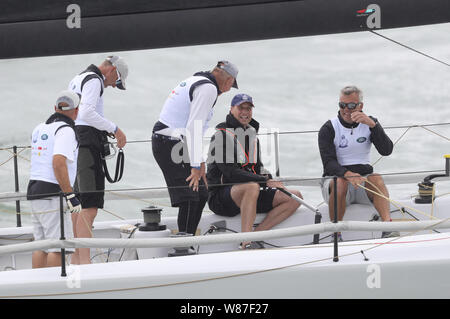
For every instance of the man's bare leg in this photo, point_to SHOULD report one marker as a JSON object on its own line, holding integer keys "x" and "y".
{"x": 54, "y": 259}
{"x": 381, "y": 205}
{"x": 39, "y": 259}
{"x": 245, "y": 197}
{"x": 342, "y": 186}
{"x": 283, "y": 207}
{"x": 84, "y": 230}
{"x": 75, "y": 257}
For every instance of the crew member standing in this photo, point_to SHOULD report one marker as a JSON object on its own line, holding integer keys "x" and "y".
{"x": 54, "y": 151}
{"x": 177, "y": 140}
{"x": 92, "y": 129}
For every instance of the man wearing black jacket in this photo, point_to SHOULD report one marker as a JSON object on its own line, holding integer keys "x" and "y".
{"x": 234, "y": 157}
{"x": 345, "y": 142}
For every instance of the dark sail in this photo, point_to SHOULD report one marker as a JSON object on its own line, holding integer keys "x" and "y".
{"x": 39, "y": 28}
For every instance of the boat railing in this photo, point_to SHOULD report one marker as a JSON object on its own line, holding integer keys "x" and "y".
{"x": 161, "y": 192}
{"x": 156, "y": 192}
{"x": 327, "y": 227}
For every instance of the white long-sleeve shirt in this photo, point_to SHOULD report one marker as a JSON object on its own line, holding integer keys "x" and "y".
{"x": 91, "y": 103}
{"x": 187, "y": 117}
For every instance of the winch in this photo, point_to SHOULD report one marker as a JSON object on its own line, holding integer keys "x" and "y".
{"x": 151, "y": 228}
{"x": 426, "y": 188}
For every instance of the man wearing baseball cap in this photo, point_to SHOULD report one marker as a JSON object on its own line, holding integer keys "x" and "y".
{"x": 54, "y": 152}
{"x": 92, "y": 129}
{"x": 234, "y": 157}
{"x": 184, "y": 117}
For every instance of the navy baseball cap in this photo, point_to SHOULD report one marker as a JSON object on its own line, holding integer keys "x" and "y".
{"x": 241, "y": 98}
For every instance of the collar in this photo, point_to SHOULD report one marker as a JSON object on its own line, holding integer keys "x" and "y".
{"x": 231, "y": 121}
{"x": 211, "y": 77}
{"x": 59, "y": 117}
{"x": 95, "y": 69}
{"x": 345, "y": 124}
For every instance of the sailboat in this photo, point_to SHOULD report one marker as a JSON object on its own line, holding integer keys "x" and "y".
{"x": 131, "y": 261}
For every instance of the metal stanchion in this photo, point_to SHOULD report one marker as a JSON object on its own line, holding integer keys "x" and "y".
{"x": 277, "y": 154}
{"x": 335, "y": 256}
{"x": 63, "y": 250}
{"x": 16, "y": 180}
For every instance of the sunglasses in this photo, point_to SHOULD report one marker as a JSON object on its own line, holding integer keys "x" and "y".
{"x": 119, "y": 80}
{"x": 350, "y": 105}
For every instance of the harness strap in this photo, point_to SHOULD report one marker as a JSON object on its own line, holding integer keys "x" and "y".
{"x": 119, "y": 168}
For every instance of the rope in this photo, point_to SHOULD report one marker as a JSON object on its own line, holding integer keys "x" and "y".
{"x": 396, "y": 203}
{"x": 379, "y": 192}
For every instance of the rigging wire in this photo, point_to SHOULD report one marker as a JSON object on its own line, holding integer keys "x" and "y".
{"x": 410, "y": 48}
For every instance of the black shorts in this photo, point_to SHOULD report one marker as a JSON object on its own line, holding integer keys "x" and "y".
{"x": 90, "y": 181}
{"x": 175, "y": 174}
{"x": 221, "y": 203}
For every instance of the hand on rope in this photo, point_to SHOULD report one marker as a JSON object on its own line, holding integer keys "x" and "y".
{"x": 73, "y": 202}
{"x": 354, "y": 178}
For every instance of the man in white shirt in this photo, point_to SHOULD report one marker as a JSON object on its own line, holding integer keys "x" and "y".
{"x": 345, "y": 142}
{"x": 54, "y": 151}
{"x": 182, "y": 123}
{"x": 92, "y": 129}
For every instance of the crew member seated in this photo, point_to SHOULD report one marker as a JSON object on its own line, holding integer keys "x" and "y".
{"x": 234, "y": 161}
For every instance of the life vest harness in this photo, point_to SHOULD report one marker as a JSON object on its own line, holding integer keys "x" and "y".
{"x": 243, "y": 150}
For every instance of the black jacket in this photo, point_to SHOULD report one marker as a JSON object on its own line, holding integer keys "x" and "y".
{"x": 237, "y": 163}
{"x": 331, "y": 167}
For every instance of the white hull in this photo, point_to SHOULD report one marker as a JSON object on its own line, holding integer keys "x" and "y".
{"x": 414, "y": 267}
{"x": 409, "y": 267}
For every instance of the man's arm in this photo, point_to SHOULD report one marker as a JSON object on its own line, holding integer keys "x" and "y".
{"x": 203, "y": 99}
{"x": 63, "y": 151}
{"x": 327, "y": 150}
{"x": 87, "y": 109}
{"x": 380, "y": 140}
{"x": 61, "y": 173}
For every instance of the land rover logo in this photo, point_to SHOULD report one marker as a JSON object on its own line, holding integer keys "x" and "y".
{"x": 361, "y": 139}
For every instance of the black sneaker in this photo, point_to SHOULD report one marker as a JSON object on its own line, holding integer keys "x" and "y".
{"x": 252, "y": 245}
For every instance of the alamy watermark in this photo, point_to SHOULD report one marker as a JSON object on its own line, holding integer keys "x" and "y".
{"x": 373, "y": 14}
{"x": 374, "y": 279}
{"x": 227, "y": 145}
{"x": 73, "y": 279}
{"x": 73, "y": 21}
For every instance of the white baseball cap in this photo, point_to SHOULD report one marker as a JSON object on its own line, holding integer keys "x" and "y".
{"x": 230, "y": 68}
{"x": 122, "y": 68}
{"x": 71, "y": 98}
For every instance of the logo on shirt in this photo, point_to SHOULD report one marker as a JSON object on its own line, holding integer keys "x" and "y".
{"x": 44, "y": 137}
{"x": 361, "y": 139}
{"x": 343, "y": 142}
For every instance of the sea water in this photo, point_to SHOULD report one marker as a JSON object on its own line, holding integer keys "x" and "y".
{"x": 295, "y": 84}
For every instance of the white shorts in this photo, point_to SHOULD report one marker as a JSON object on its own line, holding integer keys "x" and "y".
{"x": 354, "y": 195}
{"x": 46, "y": 221}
